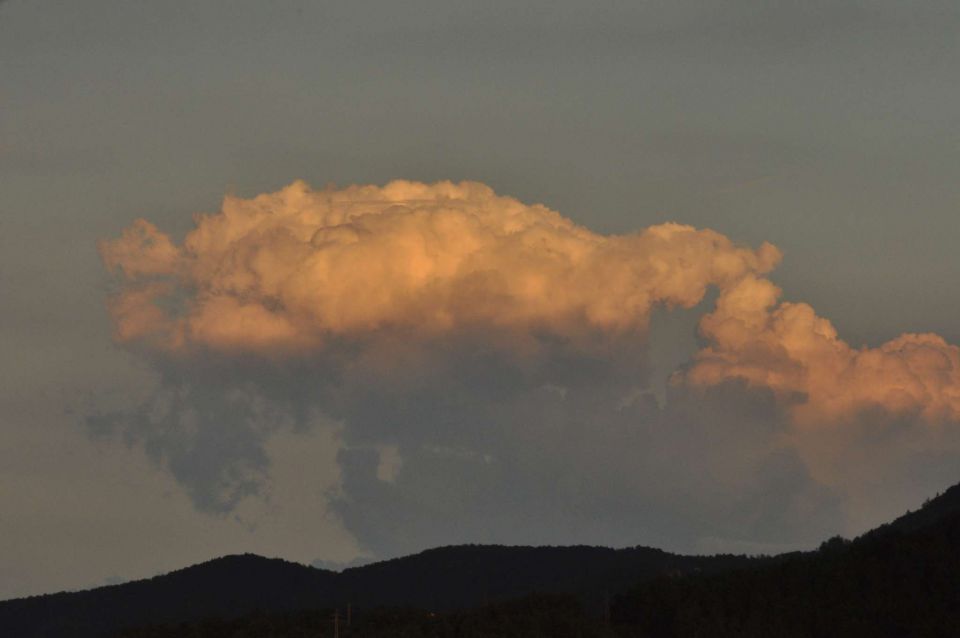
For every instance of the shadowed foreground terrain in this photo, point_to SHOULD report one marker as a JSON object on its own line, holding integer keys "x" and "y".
{"x": 902, "y": 579}
{"x": 549, "y": 616}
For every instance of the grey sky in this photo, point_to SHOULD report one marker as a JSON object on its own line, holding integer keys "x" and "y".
{"x": 831, "y": 129}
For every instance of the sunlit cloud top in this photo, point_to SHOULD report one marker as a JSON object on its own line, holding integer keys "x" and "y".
{"x": 288, "y": 270}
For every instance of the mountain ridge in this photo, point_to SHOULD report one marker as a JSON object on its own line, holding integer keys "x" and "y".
{"x": 900, "y": 579}
{"x": 442, "y": 579}
{"x": 446, "y": 578}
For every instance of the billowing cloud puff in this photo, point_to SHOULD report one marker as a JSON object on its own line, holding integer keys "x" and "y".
{"x": 288, "y": 271}
{"x": 791, "y": 350}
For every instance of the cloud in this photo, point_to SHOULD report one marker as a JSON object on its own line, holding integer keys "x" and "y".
{"x": 791, "y": 350}
{"x": 487, "y": 360}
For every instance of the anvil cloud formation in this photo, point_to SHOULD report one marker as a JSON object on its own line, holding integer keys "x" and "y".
{"x": 425, "y": 300}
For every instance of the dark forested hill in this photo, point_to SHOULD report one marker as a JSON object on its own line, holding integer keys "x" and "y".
{"x": 902, "y": 579}
{"x": 465, "y": 576}
{"x": 436, "y": 580}
{"x": 934, "y": 510}
{"x": 222, "y": 587}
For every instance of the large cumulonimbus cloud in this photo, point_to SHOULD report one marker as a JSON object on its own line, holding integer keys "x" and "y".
{"x": 495, "y": 351}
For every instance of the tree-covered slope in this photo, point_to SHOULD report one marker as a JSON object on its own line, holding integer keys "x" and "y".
{"x": 900, "y": 580}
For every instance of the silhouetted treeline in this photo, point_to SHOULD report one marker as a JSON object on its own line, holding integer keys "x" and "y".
{"x": 902, "y": 579}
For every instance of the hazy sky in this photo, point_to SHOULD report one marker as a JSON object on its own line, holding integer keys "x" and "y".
{"x": 829, "y": 129}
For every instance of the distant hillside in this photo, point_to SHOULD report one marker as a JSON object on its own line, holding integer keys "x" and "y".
{"x": 437, "y": 580}
{"x": 902, "y": 579}
{"x": 219, "y": 588}
{"x": 934, "y": 510}
{"x": 468, "y": 575}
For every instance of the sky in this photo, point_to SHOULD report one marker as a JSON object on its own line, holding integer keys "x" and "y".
{"x": 425, "y": 273}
